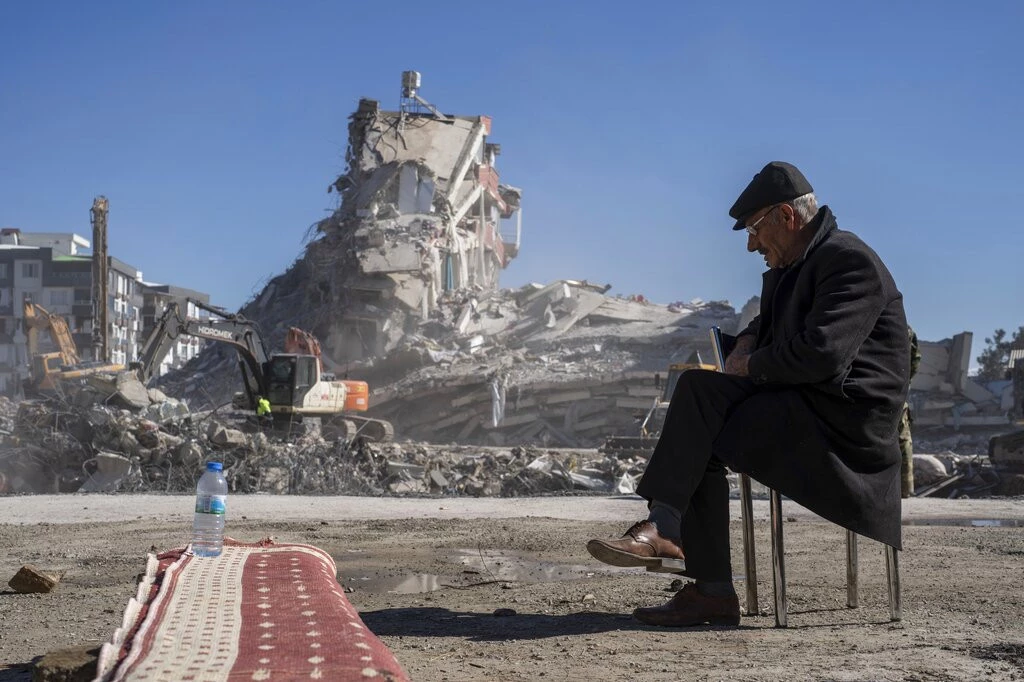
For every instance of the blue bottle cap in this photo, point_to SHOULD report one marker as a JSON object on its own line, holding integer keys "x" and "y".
{"x": 214, "y": 466}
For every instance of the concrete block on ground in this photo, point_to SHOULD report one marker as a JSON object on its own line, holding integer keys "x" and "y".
{"x": 31, "y": 580}
{"x": 77, "y": 664}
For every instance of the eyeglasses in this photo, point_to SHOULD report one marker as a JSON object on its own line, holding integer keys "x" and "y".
{"x": 752, "y": 229}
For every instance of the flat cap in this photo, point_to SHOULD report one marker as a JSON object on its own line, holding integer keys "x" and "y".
{"x": 777, "y": 182}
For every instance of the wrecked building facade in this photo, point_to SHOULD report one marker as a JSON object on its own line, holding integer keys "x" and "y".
{"x": 944, "y": 395}
{"x": 423, "y": 216}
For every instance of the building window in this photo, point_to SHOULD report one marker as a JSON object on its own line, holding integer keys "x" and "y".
{"x": 3, "y": 270}
{"x": 60, "y": 297}
{"x": 30, "y": 270}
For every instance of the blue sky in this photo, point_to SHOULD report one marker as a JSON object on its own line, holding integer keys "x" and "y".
{"x": 215, "y": 128}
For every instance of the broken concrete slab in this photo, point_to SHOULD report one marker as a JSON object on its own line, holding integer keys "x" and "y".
{"x": 31, "y": 580}
{"x": 221, "y": 435}
{"x": 156, "y": 395}
{"x": 76, "y": 664}
{"x": 111, "y": 468}
{"x": 130, "y": 391}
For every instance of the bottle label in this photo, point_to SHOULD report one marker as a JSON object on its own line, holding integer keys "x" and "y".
{"x": 211, "y": 504}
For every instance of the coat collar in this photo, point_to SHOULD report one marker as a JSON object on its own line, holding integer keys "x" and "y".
{"x": 824, "y": 224}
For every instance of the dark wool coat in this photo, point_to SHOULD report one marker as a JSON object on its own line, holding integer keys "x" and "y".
{"x": 832, "y": 337}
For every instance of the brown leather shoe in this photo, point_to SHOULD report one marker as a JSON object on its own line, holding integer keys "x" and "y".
{"x": 689, "y": 607}
{"x": 642, "y": 545}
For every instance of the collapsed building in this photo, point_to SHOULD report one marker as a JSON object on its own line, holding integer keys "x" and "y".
{"x": 421, "y": 217}
{"x": 943, "y": 394}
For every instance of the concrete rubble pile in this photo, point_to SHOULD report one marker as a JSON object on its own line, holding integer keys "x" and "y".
{"x": 571, "y": 368}
{"x": 561, "y": 365}
{"x": 120, "y": 442}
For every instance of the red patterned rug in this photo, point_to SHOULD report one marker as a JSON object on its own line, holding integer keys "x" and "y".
{"x": 259, "y": 611}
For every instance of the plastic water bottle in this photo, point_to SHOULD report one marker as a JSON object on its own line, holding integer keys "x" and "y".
{"x": 211, "y": 503}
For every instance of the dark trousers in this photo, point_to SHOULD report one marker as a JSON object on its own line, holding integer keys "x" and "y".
{"x": 687, "y": 469}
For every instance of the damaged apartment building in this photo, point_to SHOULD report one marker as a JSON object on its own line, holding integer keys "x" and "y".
{"x": 53, "y": 270}
{"x": 423, "y": 216}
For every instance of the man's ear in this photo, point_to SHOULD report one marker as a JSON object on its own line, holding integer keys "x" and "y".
{"x": 788, "y": 214}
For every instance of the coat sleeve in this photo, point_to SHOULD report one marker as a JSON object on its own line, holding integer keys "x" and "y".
{"x": 848, "y": 299}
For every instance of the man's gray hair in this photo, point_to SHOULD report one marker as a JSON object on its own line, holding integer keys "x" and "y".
{"x": 805, "y": 207}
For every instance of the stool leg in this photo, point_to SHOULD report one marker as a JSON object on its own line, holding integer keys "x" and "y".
{"x": 778, "y": 560}
{"x": 749, "y": 561}
{"x": 852, "y": 591}
{"x": 892, "y": 572}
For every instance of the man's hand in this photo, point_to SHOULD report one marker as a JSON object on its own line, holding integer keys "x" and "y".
{"x": 739, "y": 358}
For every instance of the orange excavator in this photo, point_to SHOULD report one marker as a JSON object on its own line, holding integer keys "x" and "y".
{"x": 293, "y": 382}
{"x": 48, "y": 370}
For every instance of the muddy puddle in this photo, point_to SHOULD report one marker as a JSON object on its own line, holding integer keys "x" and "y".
{"x": 967, "y": 523}
{"x": 481, "y": 568}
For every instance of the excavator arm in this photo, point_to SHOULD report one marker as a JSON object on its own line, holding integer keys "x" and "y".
{"x": 232, "y": 329}
{"x": 301, "y": 342}
{"x": 37, "y": 317}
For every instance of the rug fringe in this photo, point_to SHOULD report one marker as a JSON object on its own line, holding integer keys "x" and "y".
{"x": 109, "y": 651}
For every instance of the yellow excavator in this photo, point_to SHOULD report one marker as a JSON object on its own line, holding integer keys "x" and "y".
{"x": 47, "y": 370}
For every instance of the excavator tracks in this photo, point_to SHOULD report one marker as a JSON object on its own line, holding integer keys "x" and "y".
{"x": 351, "y": 428}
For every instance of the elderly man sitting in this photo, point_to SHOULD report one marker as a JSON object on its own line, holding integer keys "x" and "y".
{"x": 809, "y": 404}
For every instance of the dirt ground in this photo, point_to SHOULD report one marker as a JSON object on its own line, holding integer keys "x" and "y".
{"x": 504, "y": 589}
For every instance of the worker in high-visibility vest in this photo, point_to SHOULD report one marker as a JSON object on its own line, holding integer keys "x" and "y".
{"x": 263, "y": 410}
